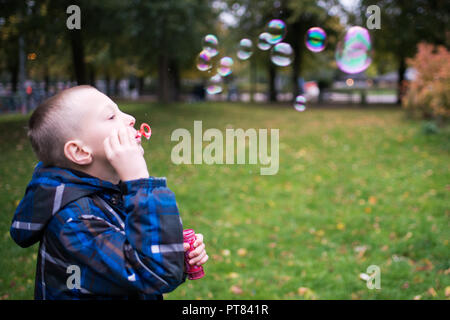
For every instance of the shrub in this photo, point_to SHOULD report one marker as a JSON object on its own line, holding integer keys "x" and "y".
{"x": 428, "y": 94}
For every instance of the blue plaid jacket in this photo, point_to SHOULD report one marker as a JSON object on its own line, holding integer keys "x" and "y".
{"x": 98, "y": 240}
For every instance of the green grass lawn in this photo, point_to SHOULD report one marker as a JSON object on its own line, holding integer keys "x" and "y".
{"x": 355, "y": 188}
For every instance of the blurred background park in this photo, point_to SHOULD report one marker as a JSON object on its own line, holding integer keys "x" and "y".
{"x": 364, "y": 138}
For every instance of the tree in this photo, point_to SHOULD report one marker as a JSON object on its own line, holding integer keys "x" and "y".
{"x": 404, "y": 23}
{"x": 299, "y": 16}
{"x": 168, "y": 34}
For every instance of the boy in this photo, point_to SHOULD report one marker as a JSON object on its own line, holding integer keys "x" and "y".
{"x": 107, "y": 230}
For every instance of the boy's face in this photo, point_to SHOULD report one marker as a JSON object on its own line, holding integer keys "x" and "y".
{"x": 99, "y": 117}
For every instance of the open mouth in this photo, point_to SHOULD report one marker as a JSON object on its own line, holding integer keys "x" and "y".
{"x": 138, "y": 138}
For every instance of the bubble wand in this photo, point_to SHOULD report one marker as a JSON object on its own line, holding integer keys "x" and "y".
{"x": 145, "y": 131}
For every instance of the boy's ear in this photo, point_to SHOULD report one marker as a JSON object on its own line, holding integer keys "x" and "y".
{"x": 75, "y": 151}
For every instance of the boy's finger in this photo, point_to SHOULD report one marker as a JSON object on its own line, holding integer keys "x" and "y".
{"x": 198, "y": 258}
{"x": 124, "y": 137}
{"x": 199, "y": 239}
{"x": 114, "y": 139}
{"x": 203, "y": 261}
{"x": 131, "y": 136}
{"x": 186, "y": 246}
{"x": 107, "y": 146}
{"x": 197, "y": 250}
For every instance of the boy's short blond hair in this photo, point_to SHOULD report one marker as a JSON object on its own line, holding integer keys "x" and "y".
{"x": 52, "y": 124}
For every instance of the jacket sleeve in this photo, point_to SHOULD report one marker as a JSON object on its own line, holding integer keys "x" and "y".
{"x": 146, "y": 256}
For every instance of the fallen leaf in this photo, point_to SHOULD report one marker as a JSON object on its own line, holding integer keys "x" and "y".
{"x": 432, "y": 292}
{"x": 307, "y": 293}
{"x": 232, "y": 275}
{"x": 320, "y": 233}
{"x": 340, "y": 226}
{"x": 217, "y": 257}
{"x": 418, "y": 297}
{"x": 428, "y": 266}
{"x": 242, "y": 252}
{"x": 302, "y": 290}
{"x": 447, "y": 291}
{"x": 236, "y": 289}
{"x": 225, "y": 252}
{"x": 361, "y": 250}
{"x": 364, "y": 276}
{"x": 372, "y": 200}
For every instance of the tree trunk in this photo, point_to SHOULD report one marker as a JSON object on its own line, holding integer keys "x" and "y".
{"x": 141, "y": 85}
{"x": 108, "y": 84}
{"x": 163, "y": 78}
{"x": 175, "y": 81}
{"x": 22, "y": 72}
{"x": 272, "y": 77}
{"x": 296, "y": 63}
{"x": 46, "y": 80}
{"x": 91, "y": 75}
{"x": 116, "y": 87}
{"x": 401, "y": 77}
{"x": 14, "y": 69}
{"x": 253, "y": 79}
{"x": 78, "y": 56}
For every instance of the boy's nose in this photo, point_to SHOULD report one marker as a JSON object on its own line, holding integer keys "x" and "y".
{"x": 130, "y": 120}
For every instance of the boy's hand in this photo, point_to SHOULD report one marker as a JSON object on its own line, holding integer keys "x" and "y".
{"x": 197, "y": 256}
{"x": 125, "y": 155}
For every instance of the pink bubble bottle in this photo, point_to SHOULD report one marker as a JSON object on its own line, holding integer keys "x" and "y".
{"x": 194, "y": 272}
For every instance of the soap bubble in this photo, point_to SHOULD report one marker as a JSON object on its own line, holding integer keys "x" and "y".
{"x": 300, "y": 103}
{"x": 315, "y": 39}
{"x": 210, "y": 44}
{"x": 282, "y": 54}
{"x": 277, "y": 30}
{"x": 214, "y": 84}
{"x": 204, "y": 61}
{"x": 353, "y": 54}
{"x": 245, "y": 49}
{"x": 225, "y": 66}
{"x": 263, "y": 41}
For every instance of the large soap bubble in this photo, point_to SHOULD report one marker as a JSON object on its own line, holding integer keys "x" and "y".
{"x": 214, "y": 85}
{"x": 263, "y": 41}
{"x": 210, "y": 44}
{"x": 315, "y": 39}
{"x": 300, "y": 103}
{"x": 204, "y": 61}
{"x": 353, "y": 54}
{"x": 282, "y": 54}
{"x": 225, "y": 66}
{"x": 277, "y": 30}
{"x": 245, "y": 49}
